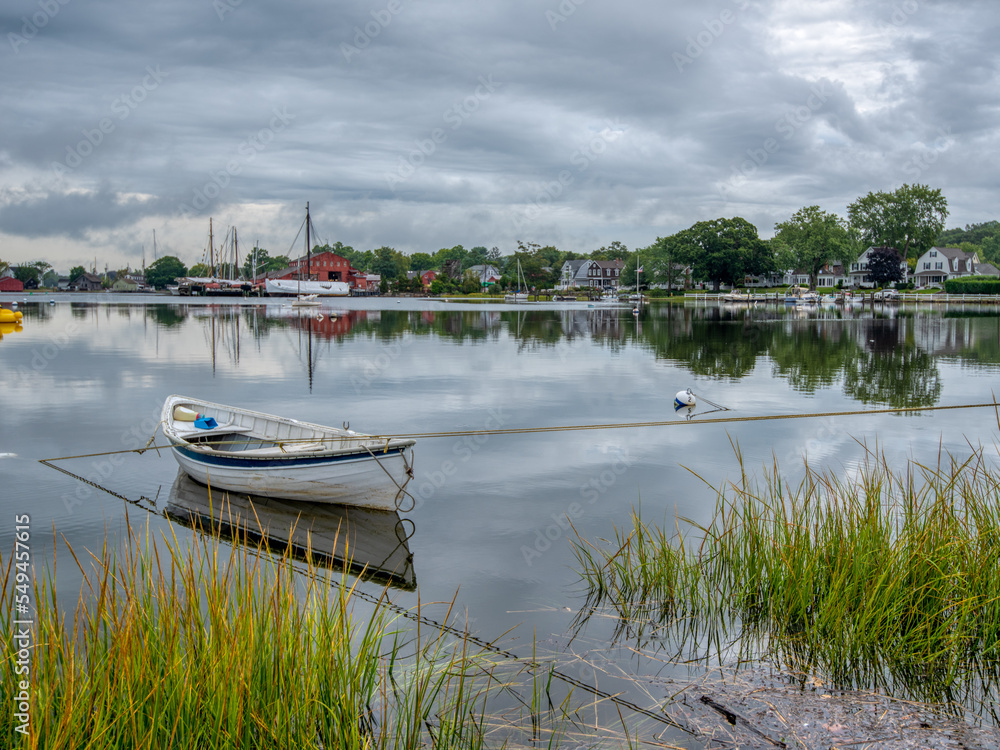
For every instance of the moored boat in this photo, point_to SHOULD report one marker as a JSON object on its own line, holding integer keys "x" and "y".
{"x": 736, "y": 296}
{"x": 248, "y": 451}
{"x": 295, "y": 287}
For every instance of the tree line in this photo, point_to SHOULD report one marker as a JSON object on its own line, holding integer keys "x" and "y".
{"x": 901, "y": 224}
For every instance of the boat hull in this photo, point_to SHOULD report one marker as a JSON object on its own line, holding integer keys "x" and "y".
{"x": 358, "y": 479}
{"x": 293, "y": 288}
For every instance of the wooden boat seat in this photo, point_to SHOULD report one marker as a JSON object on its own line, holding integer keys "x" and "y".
{"x": 284, "y": 449}
{"x": 222, "y": 429}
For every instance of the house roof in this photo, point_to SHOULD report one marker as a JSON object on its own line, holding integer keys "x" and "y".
{"x": 953, "y": 252}
{"x": 987, "y": 269}
{"x": 616, "y": 263}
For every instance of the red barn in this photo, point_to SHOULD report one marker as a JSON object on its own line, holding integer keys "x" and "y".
{"x": 325, "y": 266}
{"x": 10, "y": 284}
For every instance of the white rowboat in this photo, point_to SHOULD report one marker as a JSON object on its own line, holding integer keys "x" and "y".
{"x": 261, "y": 454}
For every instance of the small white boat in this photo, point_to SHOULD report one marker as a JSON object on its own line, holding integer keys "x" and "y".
{"x": 808, "y": 298}
{"x": 515, "y": 297}
{"x": 260, "y": 454}
{"x": 793, "y": 294}
{"x": 306, "y": 300}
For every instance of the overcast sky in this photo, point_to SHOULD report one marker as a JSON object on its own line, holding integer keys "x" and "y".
{"x": 422, "y": 124}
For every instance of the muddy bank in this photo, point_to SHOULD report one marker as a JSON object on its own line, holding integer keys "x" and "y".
{"x": 768, "y": 709}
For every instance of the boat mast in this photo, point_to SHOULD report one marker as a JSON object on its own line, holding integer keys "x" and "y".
{"x": 308, "y": 249}
{"x": 211, "y": 251}
{"x": 236, "y": 255}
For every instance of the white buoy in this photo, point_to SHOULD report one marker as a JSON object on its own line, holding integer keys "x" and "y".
{"x": 684, "y": 399}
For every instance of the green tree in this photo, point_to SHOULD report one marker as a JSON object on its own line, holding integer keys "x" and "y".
{"x": 27, "y": 275}
{"x": 535, "y": 267}
{"x": 811, "y": 238}
{"x": 974, "y": 233}
{"x": 723, "y": 251}
{"x": 476, "y": 257}
{"x": 164, "y": 270}
{"x": 662, "y": 262}
{"x": 76, "y": 272}
{"x": 883, "y": 265}
{"x": 616, "y": 250}
{"x": 421, "y": 262}
{"x": 199, "y": 270}
{"x": 458, "y": 253}
{"x": 911, "y": 218}
{"x": 256, "y": 260}
{"x": 389, "y": 263}
{"x": 991, "y": 250}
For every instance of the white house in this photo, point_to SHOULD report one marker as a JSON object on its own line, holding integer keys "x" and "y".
{"x": 829, "y": 276}
{"x": 939, "y": 264}
{"x": 859, "y": 276}
{"x": 487, "y": 274}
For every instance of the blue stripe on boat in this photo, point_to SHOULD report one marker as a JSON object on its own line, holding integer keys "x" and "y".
{"x": 263, "y": 462}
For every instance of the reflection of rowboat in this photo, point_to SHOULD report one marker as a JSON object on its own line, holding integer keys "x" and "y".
{"x": 369, "y": 543}
{"x": 247, "y": 451}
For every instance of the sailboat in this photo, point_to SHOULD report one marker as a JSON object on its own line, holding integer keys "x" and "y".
{"x": 518, "y": 295}
{"x": 299, "y": 286}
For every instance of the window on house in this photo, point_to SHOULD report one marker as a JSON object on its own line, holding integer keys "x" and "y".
{"x": 938, "y": 266}
{"x": 933, "y": 253}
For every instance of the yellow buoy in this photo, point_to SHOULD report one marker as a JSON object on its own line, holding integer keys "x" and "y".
{"x": 10, "y": 316}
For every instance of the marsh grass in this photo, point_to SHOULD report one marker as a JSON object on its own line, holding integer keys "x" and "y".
{"x": 196, "y": 645}
{"x": 888, "y": 579}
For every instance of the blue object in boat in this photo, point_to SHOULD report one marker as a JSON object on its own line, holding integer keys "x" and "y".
{"x": 205, "y": 423}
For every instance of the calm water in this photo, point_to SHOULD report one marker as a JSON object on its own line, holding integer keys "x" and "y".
{"x": 489, "y": 526}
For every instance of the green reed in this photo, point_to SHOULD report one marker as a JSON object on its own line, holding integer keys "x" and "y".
{"x": 194, "y": 645}
{"x": 889, "y": 579}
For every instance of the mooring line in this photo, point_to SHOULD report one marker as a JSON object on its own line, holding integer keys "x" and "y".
{"x": 580, "y": 427}
{"x": 671, "y": 423}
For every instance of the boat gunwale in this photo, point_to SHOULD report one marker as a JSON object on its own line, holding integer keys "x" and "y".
{"x": 366, "y": 446}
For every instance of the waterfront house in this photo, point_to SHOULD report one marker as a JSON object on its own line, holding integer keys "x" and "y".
{"x": 859, "y": 276}
{"x": 830, "y": 275}
{"x": 129, "y": 282}
{"x": 585, "y": 273}
{"x": 486, "y": 273}
{"x": 939, "y": 264}
{"x": 10, "y": 284}
{"x": 86, "y": 282}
